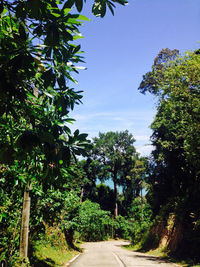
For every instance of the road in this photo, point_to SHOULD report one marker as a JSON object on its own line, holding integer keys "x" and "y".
{"x": 110, "y": 254}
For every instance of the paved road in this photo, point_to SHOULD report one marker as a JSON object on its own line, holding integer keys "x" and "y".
{"x": 110, "y": 254}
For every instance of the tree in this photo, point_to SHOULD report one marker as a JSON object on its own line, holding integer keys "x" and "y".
{"x": 116, "y": 154}
{"x": 35, "y": 95}
{"x": 174, "y": 176}
{"x": 149, "y": 82}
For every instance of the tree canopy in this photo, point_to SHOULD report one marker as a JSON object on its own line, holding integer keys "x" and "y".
{"x": 38, "y": 56}
{"x": 115, "y": 156}
{"x": 175, "y": 172}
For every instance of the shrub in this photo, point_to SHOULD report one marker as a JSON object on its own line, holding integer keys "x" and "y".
{"x": 93, "y": 223}
{"x": 140, "y": 214}
{"x": 122, "y": 227}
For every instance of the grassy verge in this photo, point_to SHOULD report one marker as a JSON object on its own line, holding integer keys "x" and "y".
{"x": 48, "y": 255}
{"x": 51, "y": 249}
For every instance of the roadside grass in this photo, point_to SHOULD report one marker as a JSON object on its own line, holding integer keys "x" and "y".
{"x": 163, "y": 254}
{"x": 48, "y": 255}
{"x": 51, "y": 249}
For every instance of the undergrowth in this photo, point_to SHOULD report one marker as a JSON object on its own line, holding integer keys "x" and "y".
{"x": 51, "y": 249}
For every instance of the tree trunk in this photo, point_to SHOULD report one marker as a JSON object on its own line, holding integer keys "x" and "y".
{"x": 82, "y": 194}
{"x": 142, "y": 203}
{"x": 23, "y": 251}
{"x": 115, "y": 196}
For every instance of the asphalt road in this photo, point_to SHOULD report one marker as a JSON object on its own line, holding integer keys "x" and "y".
{"x": 110, "y": 254}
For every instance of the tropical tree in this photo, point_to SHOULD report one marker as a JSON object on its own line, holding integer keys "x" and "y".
{"x": 150, "y": 80}
{"x": 134, "y": 184}
{"x": 116, "y": 154}
{"x": 174, "y": 176}
{"x": 37, "y": 57}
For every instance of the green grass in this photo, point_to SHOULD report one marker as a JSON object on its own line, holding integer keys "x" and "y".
{"x": 47, "y": 255}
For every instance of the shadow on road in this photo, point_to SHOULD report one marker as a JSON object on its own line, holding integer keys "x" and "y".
{"x": 151, "y": 258}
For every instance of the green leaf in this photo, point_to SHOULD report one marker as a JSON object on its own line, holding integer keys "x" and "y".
{"x": 68, "y": 4}
{"x": 68, "y": 36}
{"x": 76, "y": 37}
{"x": 79, "y": 5}
{"x": 81, "y": 17}
{"x": 67, "y": 130}
{"x": 5, "y": 11}
{"x": 96, "y": 9}
{"x": 110, "y": 5}
{"x": 103, "y": 9}
{"x": 66, "y": 11}
{"x": 60, "y": 124}
{"x": 21, "y": 177}
{"x": 31, "y": 95}
{"x": 69, "y": 120}
{"x": 122, "y": 2}
{"x": 77, "y": 48}
{"x": 71, "y": 78}
{"x": 3, "y": 215}
{"x": 55, "y": 14}
{"x": 82, "y": 137}
{"x": 76, "y": 133}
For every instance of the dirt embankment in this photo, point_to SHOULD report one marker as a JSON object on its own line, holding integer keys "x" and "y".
{"x": 168, "y": 233}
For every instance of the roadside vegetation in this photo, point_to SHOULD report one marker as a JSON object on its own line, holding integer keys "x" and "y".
{"x": 49, "y": 197}
{"x": 173, "y": 180}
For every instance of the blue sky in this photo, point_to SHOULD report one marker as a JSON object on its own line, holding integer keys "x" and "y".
{"x": 118, "y": 51}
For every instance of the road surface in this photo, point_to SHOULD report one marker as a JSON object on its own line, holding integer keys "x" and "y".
{"x": 110, "y": 254}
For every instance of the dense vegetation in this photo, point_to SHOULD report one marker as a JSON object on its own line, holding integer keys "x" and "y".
{"x": 71, "y": 207}
{"x": 173, "y": 181}
{"x": 38, "y": 152}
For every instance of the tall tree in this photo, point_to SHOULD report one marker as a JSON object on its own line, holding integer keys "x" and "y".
{"x": 35, "y": 95}
{"x": 174, "y": 174}
{"x": 149, "y": 82}
{"x": 116, "y": 154}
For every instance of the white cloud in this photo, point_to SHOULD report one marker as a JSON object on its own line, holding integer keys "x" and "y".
{"x": 128, "y": 118}
{"x": 136, "y": 122}
{"x": 144, "y": 150}
{"x": 142, "y": 137}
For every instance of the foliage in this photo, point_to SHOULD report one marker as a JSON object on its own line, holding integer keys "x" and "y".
{"x": 10, "y": 212}
{"x": 140, "y": 214}
{"x": 114, "y": 155}
{"x": 173, "y": 179}
{"x": 93, "y": 223}
{"x": 150, "y": 81}
{"x": 38, "y": 55}
{"x": 123, "y": 227}
{"x": 104, "y": 195}
{"x": 35, "y": 99}
{"x": 51, "y": 250}
{"x": 34, "y": 111}
{"x": 176, "y": 132}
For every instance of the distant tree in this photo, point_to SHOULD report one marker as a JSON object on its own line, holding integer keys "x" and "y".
{"x": 104, "y": 196}
{"x": 149, "y": 81}
{"x": 116, "y": 154}
{"x": 134, "y": 183}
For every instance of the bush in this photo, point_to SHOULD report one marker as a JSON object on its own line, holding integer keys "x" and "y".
{"x": 140, "y": 214}
{"x": 122, "y": 227}
{"x": 93, "y": 223}
{"x": 10, "y": 218}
